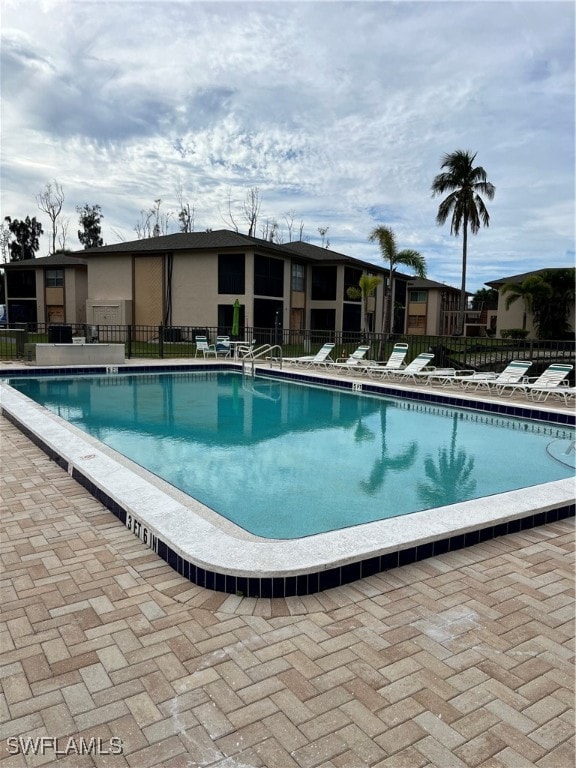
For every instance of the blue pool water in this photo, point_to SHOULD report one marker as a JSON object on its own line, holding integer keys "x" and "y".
{"x": 285, "y": 460}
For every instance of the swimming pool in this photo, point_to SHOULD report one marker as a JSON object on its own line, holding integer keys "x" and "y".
{"x": 284, "y": 460}
{"x": 217, "y": 554}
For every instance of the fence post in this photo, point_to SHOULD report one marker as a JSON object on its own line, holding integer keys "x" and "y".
{"x": 128, "y": 350}
{"x": 160, "y": 341}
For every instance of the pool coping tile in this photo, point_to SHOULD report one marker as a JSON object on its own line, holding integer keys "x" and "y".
{"x": 217, "y": 555}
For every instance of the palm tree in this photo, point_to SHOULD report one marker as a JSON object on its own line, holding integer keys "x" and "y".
{"x": 465, "y": 185}
{"x": 409, "y": 258}
{"x": 366, "y": 288}
{"x": 450, "y": 480}
{"x": 551, "y": 315}
{"x": 530, "y": 290}
{"x": 385, "y": 463}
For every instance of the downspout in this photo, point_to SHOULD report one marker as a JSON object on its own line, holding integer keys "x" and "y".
{"x": 169, "y": 263}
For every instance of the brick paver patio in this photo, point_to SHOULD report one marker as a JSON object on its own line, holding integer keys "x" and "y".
{"x": 460, "y": 660}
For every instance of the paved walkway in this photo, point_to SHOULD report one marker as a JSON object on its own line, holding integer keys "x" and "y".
{"x": 460, "y": 660}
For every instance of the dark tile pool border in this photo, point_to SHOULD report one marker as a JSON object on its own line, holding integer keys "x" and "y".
{"x": 328, "y": 578}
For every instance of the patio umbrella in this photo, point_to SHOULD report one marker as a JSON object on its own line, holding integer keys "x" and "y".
{"x": 236, "y": 320}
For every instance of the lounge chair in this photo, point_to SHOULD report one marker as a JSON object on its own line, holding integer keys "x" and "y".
{"x": 202, "y": 346}
{"x": 394, "y": 363}
{"x": 443, "y": 377}
{"x": 222, "y": 347}
{"x": 568, "y": 394}
{"x": 514, "y": 372}
{"x": 353, "y": 361}
{"x": 310, "y": 361}
{"x": 537, "y": 388}
{"x": 413, "y": 368}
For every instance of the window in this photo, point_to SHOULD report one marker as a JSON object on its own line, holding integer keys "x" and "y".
{"x": 54, "y": 278}
{"x": 324, "y": 283}
{"x": 351, "y": 280}
{"x": 268, "y": 276}
{"x": 21, "y": 284}
{"x": 418, "y": 297}
{"x": 297, "y": 277}
{"x": 322, "y": 319}
{"x": 417, "y": 321}
{"x": 231, "y": 273}
{"x": 351, "y": 317}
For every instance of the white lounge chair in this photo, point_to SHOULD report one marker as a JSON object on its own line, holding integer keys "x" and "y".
{"x": 222, "y": 347}
{"x": 443, "y": 377}
{"x": 310, "y": 361}
{"x": 548, "y": 381}
{"x": 567, "y": 394}
{"x": 413, "y": 368}
{"x": 514, "y": 372}
{"x": 202, "y": 346}
{"x": 394, "y": 363}
{"x": 353, "y": 361}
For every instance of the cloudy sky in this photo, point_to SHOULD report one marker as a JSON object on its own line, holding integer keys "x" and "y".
{"x": 339, "y": 113}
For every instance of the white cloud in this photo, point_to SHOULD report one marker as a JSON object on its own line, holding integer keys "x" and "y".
{"x": 340, "y": 112}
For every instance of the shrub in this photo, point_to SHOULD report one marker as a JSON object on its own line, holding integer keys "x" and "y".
{"x": 514, "y": 333}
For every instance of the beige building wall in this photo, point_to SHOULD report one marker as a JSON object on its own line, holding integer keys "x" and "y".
{"x": 195, "y": 290}
{"x": 195, "y": 296}
{"x": 75, "y": 295}
{"x": 110, "y": 278}
{"x": 110, "y": 290}
{"x": 513, "y": 317}
{"x": 433, "y": 313}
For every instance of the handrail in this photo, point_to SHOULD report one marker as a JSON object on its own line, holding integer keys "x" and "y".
{"x": 251, "y": 355}
{"x": 253, "y": 391}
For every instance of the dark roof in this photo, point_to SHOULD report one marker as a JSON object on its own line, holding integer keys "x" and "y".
{"x": 186, "y": 241}
{"x": 424, "y": 284}
{"x": 221, "y": 239}
{"x": 54, "y": 260}
{"x": 317, "y": 253}
{"x": 520, "y": 278}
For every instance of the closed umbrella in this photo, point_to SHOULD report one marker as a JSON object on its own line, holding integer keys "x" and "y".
{"x": 236, "y": 320}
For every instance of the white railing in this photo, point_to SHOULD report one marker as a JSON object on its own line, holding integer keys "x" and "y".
{"x": 251, "y": 355}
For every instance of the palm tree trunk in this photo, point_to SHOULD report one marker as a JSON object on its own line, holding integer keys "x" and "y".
{"x": 462, "y": 311}
{"x": 385, "y": 303}
{"x": 391, "y": 303}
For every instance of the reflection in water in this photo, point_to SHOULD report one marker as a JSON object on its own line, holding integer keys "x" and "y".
{"x": 362, "y": 432}
{"x": 450, "y": 477}
{"x": 285, "y": 460}
{"x": 384, "y": 463}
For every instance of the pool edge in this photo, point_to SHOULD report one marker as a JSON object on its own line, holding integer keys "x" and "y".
{"x": 340, "y": 563}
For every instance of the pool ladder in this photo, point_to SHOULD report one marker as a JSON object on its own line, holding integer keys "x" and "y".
{"x": 249, "y": 356}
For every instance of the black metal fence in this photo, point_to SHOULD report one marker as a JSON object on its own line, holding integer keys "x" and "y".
{"x": 142, "y": 341}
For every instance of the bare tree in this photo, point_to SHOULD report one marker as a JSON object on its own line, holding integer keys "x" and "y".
{"x": 323, "y": 231}
{"x": 252, "y": 204}
{"x": 63, "y": 233}
{"x": 271, "y": 231}
{"x": 152, "y": 223}
{"x": 289, "y": 219}
{"x": 186, "y": 212}
{"x": 51, "y": 200}
{"x": 250, "y": 211}
{"x": 121, "y": 237}
{"x": 229, "y": 219}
